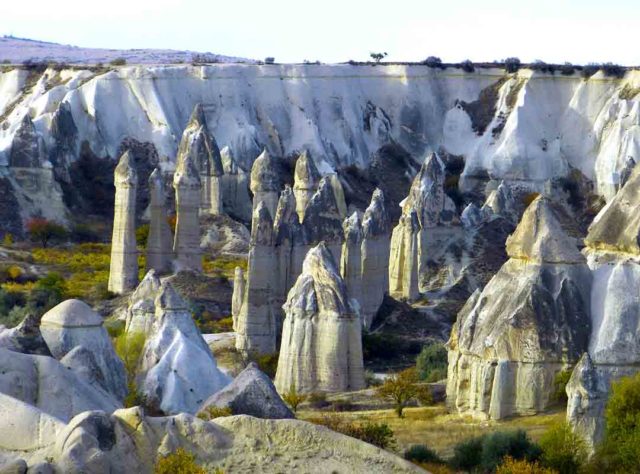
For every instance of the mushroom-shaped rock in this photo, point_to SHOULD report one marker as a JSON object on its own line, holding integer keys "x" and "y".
{"x": 265, "y": 181}
{"x": 159, "y": 242}
{"x": 321, "y": 346}
{"x": 305, "y": 181}
{"x": 251, "y": 393}
{"x": 539, "y": 237}
{"x": 73, "y": 323}
{"x": 177, "y": 370}
{"x": 123, "y": 271}
{"x": 531, "y": 321}
{"x": 186, "y": 244}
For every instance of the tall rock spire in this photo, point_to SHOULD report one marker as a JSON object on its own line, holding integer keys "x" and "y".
{"x": 123, "y": 272}
{"x": 186, "y": 244}
{"x": 256, "y": 321}
{"x": 376, "y": 232}
{"x": 265, "y": 181}
{"x": 198, "y": 142}
{"x": 305, "y": 181}
{"x": 321, "y": 346}
{"x": 159, "y": 251}
{"x": 351, "y": 259}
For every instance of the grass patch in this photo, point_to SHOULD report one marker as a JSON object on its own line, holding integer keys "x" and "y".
{"x": 223, "y": 266}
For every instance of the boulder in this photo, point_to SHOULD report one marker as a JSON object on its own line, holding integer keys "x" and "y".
{"x": 250, "y": 393}
{"x": 51, "y": 386}
{"x": 25, "y": 337}
{"x": 73, "y": 323}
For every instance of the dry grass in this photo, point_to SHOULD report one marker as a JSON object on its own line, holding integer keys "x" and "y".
{"x": 439, "y": 430}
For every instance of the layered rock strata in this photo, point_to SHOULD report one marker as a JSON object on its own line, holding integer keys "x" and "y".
{"x": 159, "y": 241}
{"x": 321, "y": 346}
{"x": 531, "y": 321}
{"x": 123, "y": 272}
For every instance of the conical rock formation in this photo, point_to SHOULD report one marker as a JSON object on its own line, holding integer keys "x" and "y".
{"x": 530, "y": 321}
{"x": 265, "y": 181}
{"x": 321, "y": 346}
{"x": 187, "y": 184}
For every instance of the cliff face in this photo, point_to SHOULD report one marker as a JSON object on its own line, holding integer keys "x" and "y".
{"x": 528, "y": 126}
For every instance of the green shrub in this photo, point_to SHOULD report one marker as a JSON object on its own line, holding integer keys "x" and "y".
{"x": 421, "y": 453}
{"x": 378, "y": 434}
{"x": 516, "y": 444}
{"x": 562, "y": 449}
{"x": 129, "y": 348}
{"x": 54, "y": 284}
{"x": 487, "y": 452}
{"x": 142, "y": 235}
{"x": 293, "y": 398}
{"x": 522, "y": 466}
{"x": 467, "y": 455}
{"x": 178, "y": 462}
{"x": 620, "y": 449}
{"x": 431, "y": 363}
{"x": 212, "y": 412}
{"x": 118, "y": 62}
{"x": 400, "y": 389}
{"x": 268, "y": 363}
{"x": 560, "y": 382}
{"x": 7, "y": 240}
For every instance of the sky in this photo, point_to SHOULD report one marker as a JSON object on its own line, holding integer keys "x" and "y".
{"x": 578, "y": 31}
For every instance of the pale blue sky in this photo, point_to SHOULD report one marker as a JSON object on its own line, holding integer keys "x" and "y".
{"x": 579, "y": 31}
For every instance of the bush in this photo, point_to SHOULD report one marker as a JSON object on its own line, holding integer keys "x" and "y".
{"x": 43, "y": 230}
{"x": 293, "y": 398}
{"x": 118, "y": 62}
{"x": 342, "y": 405}
{"x": 567, "y": 69}
{"x": 401, "y": 388}
{"x": 467, "y": 66}
{"x": 7, "y": 240}
{"x": 431, "y": 363}
{"x": 562, "y": 449}
{"x": 516, "y": 444}
{"x": 178, "y": 462}
{"x": 589, "y": 70}
{"x": 560, "y": 382}
{"x": 521, "y": 466}
{"x": 212, "y": 412}
{"x": 142, "y": 235}
{"x": 620, "y": 449}
{"x": 421, "y": 453}
{"x": 378, "y": 434}
{"x": 54, "y": 284}
{"x": 268, "y": 363}
{"x": 467, "y": 455}
{"x": 433, "y": 61}
{"x": 512, "y": 65}
{"x": 129, "y": 348}
{"x": 613, "y": 70}
{"x": 486, "y": 452}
